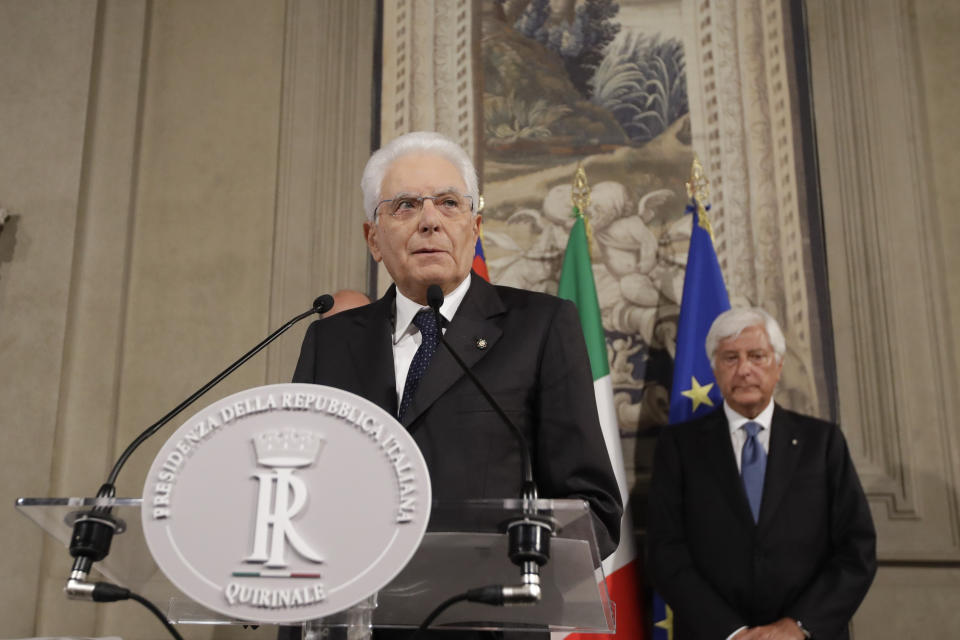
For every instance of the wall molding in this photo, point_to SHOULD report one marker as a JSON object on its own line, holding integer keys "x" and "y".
{"x": 743, "y": 112}
{"x": 888, "y": 299}
{"x": 324, "y": 144}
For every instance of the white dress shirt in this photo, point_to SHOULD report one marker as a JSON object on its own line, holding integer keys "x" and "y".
{"x": 406, "y": 336}
{"x": 738, "y": 436}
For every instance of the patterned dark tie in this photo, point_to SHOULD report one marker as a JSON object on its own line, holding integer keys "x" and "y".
{"x": 426, "y": 322}
{"x": 753, "y": 465}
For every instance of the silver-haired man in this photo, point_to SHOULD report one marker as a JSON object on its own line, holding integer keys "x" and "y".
{"x": 759, "y": 528}
{"x": 420, "y": 199}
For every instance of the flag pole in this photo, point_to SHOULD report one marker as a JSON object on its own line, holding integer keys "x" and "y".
{"x": 693, "y": 391}
{"x": 622, "y": 568}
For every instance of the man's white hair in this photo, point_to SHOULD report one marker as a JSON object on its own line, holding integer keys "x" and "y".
{"x": 417, "y": 142}
{"x": 731, "y": 324}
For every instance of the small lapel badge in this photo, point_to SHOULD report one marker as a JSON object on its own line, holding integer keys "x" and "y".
{"x": 480, "y": 343}
{"x": 794, "y": 442}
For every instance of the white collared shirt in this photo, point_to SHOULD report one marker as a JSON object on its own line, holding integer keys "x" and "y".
{"x": 406, "y": 336}
{"x": 738, "y": 436}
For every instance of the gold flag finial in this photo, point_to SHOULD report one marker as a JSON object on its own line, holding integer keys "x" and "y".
{"x": 699, "y": 191}
{"x": 580, "y": 198}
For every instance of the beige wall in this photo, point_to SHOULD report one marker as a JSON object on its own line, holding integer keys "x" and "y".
{"x": 42, "y": 120}
{"x": 885, "y": 96}
{"x": 937, "y": 22}
{"x": 182, "y": 176}
{"x": 927, "y": 597}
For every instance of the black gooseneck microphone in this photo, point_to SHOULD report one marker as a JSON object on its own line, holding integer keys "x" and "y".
{"x": 529, "y": 534}
{"x": 93, "y": 530}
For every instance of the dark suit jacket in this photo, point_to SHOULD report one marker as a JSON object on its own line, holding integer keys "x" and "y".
{"x": 811, "y": 556}
{"x": 535, "y": 364}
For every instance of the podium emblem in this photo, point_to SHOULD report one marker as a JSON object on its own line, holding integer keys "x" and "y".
{"x": 282, "y": 495}
{"x": 286, "y": 503}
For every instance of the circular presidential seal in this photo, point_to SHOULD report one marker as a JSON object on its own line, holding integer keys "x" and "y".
{"x": 286, "y": 503}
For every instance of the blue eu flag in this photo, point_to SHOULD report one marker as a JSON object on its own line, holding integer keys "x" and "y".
{"x": 694, "y": 391}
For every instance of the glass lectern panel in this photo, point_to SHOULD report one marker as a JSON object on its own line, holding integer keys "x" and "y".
{"x": 464, "y": 547}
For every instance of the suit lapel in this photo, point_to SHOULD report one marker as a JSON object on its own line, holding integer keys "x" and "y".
{"x": 786, "y": 443}
{"x": 475, "y": 319}
{"x": 374, "y": 345}
{"x": 717, "y": 449}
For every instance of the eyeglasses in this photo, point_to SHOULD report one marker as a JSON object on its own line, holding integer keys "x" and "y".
{"x": 731, "y": 359}
{"x": 406, "y": 206}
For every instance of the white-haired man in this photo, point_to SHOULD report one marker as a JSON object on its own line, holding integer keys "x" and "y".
{"x": 420, "y": 195}
{"x": 758, "y": 525}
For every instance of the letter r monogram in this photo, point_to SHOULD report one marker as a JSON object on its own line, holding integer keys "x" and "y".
{"x": 288, "y": 500}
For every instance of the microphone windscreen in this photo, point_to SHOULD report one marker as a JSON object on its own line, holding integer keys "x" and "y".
{"x": 434, "y": 297}
{"x": 323, "y": 304}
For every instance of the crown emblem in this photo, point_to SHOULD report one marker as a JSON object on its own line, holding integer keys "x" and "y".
{"x": 287, "y": 448}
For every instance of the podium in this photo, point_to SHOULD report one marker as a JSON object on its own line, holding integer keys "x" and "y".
{"x": 465, "y": 547}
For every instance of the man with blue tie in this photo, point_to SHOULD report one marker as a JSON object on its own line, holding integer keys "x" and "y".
{"x": 758, "y": 525}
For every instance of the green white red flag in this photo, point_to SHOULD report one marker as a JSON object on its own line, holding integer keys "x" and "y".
{"x": 622, "y": 568}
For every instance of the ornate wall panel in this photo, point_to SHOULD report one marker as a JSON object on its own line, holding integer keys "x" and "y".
{"x": 889, "y": 305}
{"x": 428, "y": 78}
{"x": 428, "y": 81}
{"x": 743, "y": 112}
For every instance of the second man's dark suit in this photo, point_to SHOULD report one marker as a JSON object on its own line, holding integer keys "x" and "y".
{"x": 811, "y": 556}
{"x": 528, "y": 350}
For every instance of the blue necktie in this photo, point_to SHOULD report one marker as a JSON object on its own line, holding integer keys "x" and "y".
{"x": 753, "y": 464}
{"x": 426, "y": 322}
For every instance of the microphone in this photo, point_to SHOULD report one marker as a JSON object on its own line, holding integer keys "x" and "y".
{"x": 529, "y": 535}
{"x": 93, "y": 531}
{"x": 529, "y": 487}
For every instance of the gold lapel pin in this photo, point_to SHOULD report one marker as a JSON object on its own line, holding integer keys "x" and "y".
{"x": 480, "y": 343}
{"x": 794, "y": 442}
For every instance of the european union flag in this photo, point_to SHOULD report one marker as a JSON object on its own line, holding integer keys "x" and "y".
{"x": 694, "y": 391}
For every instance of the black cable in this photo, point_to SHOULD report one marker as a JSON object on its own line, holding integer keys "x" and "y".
{"x": 94, "y": 530}
{"x": 321, "y": 305}
{"x": 492, "y": 595}
{"x": 106, "y": 592}
{"x": 527, "y": 465}
{"x": 528, "y": 486}
{"x": 149, "y": 605}
{"x": 443, "y": 606}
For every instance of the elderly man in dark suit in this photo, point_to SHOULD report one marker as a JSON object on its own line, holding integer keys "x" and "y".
{"x": 758, "y": 525}
{"x": 420, "y": 195}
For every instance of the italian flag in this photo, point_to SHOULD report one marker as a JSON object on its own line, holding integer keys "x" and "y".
{"x": 621, "y": 568}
